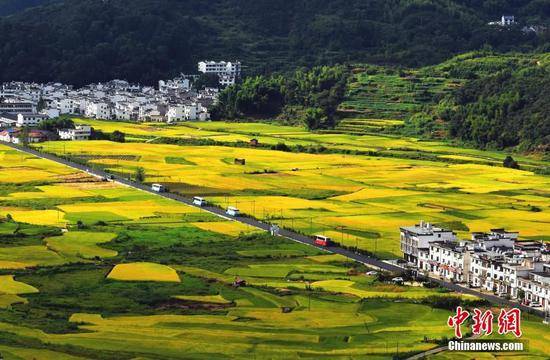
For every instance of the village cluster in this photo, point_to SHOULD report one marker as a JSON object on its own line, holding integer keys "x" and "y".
{"x": 27, "y": 105}
{"x": 492, "y": 262}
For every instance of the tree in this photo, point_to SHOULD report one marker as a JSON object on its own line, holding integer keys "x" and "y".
{"x": 314, "y": 118}
{"x": 118, "y": 136}
{"x": 207, "y": 81}
{"x": 140, "y": 174}
{"x": 55, "y": 124}
{"x": 509, "y": 162}
{"x": 23, "y": 136}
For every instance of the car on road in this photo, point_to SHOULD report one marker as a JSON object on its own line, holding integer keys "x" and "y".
{"x": 232, "y": 211}
{"x": 158, "y": 188}
{"x": 199, "y": 201}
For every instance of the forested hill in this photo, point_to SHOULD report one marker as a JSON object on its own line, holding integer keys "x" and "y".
{"x": 81, "y": 41}
{"x": 8, "y": 7}
{"x": 509, "y": 108}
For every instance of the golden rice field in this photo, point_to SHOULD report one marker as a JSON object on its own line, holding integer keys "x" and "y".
{"x": 355, "y": 199}
{"x": 143, "y": 272}
{"x": 99, "y": 270}
{"x": 271, "y": 134}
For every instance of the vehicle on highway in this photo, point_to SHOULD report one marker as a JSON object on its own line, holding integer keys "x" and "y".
{"x": 322, "y": 240}
{"x": 199, "y": 201}
{"x": 232, "y": 211}
{"x": 158, "y": 188}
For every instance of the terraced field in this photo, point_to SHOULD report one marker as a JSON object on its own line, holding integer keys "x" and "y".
{"x": 118, "y": 273}
{"x": 357, "y": 200}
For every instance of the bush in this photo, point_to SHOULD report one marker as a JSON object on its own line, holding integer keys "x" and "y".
{"x": 509, "y": 162}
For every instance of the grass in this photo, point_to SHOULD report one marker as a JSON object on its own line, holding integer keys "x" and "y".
{"x": 143, "y": 272}
{"x": 82, "y": 245}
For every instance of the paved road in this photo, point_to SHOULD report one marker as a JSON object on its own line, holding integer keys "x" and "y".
{"x": 283, "y": 232}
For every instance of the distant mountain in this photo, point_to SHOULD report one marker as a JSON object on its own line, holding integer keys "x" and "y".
{"x": 81, "y": 41}
{"x": 8, "y": 7}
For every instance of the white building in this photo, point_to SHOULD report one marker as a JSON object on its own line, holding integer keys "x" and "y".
{"x": 494, "y": 262}
{"x": 30, "y": 119}
{"x": 418, "y": 238}
{"x": 80, "y": 132}
{"x": 448, "y": 260}
{"x": 98, "y": 110}
{"x": 505, "y": 20}
{"x": 16, "y": 107}
{"x": 228, "y": 72}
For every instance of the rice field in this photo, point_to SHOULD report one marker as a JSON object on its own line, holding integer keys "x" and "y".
{"x": 143, "y": 272}
{"x": 98, "y": 270}
{"x": 358, "y": 200}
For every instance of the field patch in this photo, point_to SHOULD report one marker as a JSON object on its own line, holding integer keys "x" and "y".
{"x": 82, "y": 244}
{"x": 210, "y": 299}
{"x": 144, "y": 272}
{"x": 9, "y": 286}
{"x": 232, "y": 228}
{"x": 28, "y": 256}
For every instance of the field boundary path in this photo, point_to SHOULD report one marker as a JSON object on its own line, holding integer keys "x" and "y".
{"x": 361, "y": 258}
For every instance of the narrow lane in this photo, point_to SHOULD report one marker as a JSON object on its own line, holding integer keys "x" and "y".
{"x": 283, "y": 232}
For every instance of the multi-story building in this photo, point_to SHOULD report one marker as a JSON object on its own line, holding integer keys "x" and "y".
{"x": 30, "y": 119}
{"x": 16, "y": 107}
{"x": 418, "y": 238}
{"x": 449, "y": 260}
{"x": 495, "y": 262}
{"x": 228, "y": 72}
{"x": 98, "y": 110}
{"x": 80, "y": 132}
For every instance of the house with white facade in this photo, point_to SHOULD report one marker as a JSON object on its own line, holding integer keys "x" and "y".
{"x": 30, "y": 119}
{"x": 80, "y": 132}
{"x": 228, "y": 72}
{"x": 494, "y": 262}
{"x": 98, "y": 110}
{"x": 418, "y": 238}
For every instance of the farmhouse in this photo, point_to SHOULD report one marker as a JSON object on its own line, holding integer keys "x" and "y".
{"x": 30, "y": 119}
{"x": 14, "y": 136}
{"x": 80, "y": 132}
{"x": 418, "y": 238}
{"x": 16, "y": 107}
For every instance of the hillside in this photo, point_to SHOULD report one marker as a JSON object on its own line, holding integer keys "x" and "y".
{"x": 83, "y": 41}
{"x": 509, "y": 108}
{"x": 8, "y": 7}
{"x": 486, "y": 99}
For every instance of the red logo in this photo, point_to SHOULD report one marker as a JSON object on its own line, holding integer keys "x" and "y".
{"x": 483, "y": 322}
{"x": 457, "y": 320}
{"x": 509, "y": 321}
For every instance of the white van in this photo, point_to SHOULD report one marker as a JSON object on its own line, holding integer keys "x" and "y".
{"x": 232, "y": 211}
{"x": 199, "y": 201}
{"x": 158, "y": 188}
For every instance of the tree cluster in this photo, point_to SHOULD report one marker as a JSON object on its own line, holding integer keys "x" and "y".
{"x": 83, "y": 41}
{"x": 503, "y": 110}
{"x": 311, "y": 96}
